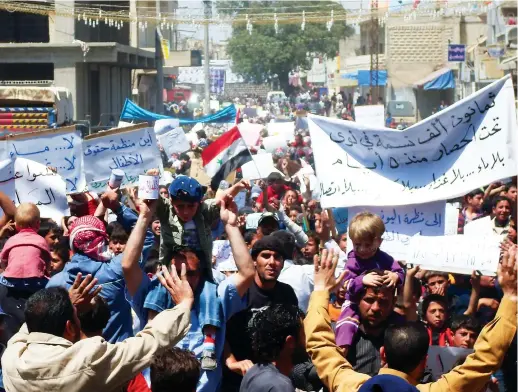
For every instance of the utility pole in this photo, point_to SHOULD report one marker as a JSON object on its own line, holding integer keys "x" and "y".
{"x": 208, "y": 11}
{"x": 374, "y": 51}
{"x": 159, "y": 63}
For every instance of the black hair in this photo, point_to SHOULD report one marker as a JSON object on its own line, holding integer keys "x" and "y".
{"x": 297, "y": 208}
{"x": 116, "y": 232}
{"x": 466, "y": 322}
{"x": 151, "y": 266}
{"x": 315, "y": 236}
{"x": 287, "y": 239}
{"x": 406, "y": 346}
{"x": 498, "y": 199}
{"x": 269, "y": 329}
{"x": 376, "y": 290}
{"x": 249, "y": 236}
{"x": 474, "y": 192}
{"x": 175, "y": 367}
{"x": 62, "y": 249}
{"x": 48, "y": 310}
{"x": 509, "y": 186}
{"x": 47, "y": 226}
{"x": 441, "y": 299}
{"x": 96, "y": 318}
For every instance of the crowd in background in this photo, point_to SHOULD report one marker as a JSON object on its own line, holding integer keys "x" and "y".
{"x": 125, "y": 294}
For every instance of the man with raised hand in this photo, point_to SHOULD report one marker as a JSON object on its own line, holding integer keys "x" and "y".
{"x": 405, "y": 347}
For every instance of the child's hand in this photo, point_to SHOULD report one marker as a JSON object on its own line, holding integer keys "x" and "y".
{"x": 372, "y": 280}
{"x": 390, "y": 278}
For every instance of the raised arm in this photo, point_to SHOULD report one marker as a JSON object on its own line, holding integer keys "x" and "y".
{"x": 244, "y": 263}
{"x": 133, "y": 251}
{"x": 332, "y": 368}
{"x": 409, "y": 304}
{"x": 492, "y": 343}
{"x": 8, "y": 207}
{"x": 475, "y": 295}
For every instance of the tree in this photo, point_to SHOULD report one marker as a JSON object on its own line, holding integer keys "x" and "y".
{"x": 263, "y": 55}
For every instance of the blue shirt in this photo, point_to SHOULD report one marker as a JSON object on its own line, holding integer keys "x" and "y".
{"x": 110, "y": 276}
{"x": 229, "y": 303}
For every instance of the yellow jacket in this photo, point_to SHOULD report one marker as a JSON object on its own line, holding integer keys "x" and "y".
{"x": 338, "y": 375}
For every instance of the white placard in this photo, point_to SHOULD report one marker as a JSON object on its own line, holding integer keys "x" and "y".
{"x": 455, "y": 253}
{"x": 252, "y": 220}
{"x": 468, "y": 145}
{"x": 272, "y": 143}
{"x": 148, "y": 187}
{"x": 284, "y": 129}
{"x": 133, "y": 151}
{"x": 441, "y": 359}
{"x": 370, "y": 115}
{"x": 174, "y": 141}
{"x": 222, "y": 251}
{"x": 259, "y": 167}
{"x": 166, "y": 125}
{"x": 27, "y": 181}
{"x": 403, "y": 222}
{"x": 59, "y": 149}
{"x": 251, "y": 133}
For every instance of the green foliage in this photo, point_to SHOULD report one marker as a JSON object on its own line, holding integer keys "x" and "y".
{"x": 259, "y": 56}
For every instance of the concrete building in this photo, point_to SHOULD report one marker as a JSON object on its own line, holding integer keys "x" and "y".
{"x": 94, "y": 62}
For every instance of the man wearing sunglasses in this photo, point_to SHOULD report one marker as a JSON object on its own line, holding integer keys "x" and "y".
{"x": 186, "y": 219}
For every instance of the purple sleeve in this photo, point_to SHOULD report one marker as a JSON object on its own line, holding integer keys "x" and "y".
{"x": 356, "y": 273}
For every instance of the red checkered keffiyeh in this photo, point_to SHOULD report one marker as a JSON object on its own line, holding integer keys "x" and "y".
{"x": 88, "y": 236}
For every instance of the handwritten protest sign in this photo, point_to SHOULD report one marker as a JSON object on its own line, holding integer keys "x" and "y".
{"x": 442, "y": 359}
{"x": 240, "y": 200}
{"x": 222, "y": 251}
{"x": 468, "y": 145}
{"x": 166, "y": 125}
{"x": 174, "y": 141}
{"x": 252, "y": 220}
{"x": 403, "y": 222}
{"x": 370, "y": 115}
{"x": 272, "y": 143}
{"x": 27, "y": 181}
{"x": 340, "y": 215}
{"x": 260, "y": 167}
{"x": 455, "y": 253}
{"x": 132, "y": 149}
{"x": 61, "y": 148}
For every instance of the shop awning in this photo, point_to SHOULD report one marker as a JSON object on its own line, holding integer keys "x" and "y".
{"x": 441, "y": 79}
{"x": 379, "y": 78}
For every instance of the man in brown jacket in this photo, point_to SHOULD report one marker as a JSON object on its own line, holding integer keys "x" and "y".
{"x": 405, "y": 348}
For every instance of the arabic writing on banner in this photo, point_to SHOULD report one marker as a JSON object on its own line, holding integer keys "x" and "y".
{"x": 460, "y": 254}
{"x": 61, "y": 149}
{"x": 468, "y": 145}
{"x": 403, "y": 222}
{"x": 27, "y": 181}
{"x": 221, "y": 251}
{"x": 133, "y": 151}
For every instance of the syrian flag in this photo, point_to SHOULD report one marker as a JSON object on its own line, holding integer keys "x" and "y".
{"x": 225, "y": 155}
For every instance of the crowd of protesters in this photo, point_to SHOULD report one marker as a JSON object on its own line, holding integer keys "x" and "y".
{"x": 125, "y": 294}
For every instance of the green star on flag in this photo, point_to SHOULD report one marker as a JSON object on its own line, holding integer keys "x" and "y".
{"x": 220, "y": 161}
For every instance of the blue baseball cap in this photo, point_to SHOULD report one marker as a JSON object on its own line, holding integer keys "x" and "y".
{"x": 186, "y": 189}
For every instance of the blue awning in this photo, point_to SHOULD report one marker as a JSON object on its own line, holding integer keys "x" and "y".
{"x": 379, "y": 78}
{"x": 441, "y": 79}
{"x": 133, "y": 112}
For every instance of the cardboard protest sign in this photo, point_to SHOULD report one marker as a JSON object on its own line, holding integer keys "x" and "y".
{"x": 27, "y": 181}
{"x": 166, "y": 125}
{"x": 370, "y": 115}
{"x": 222, "y": 251}
{"x": 403, "y": 222}
{"x": 58, "y": 148}
{"x": 284, "y": 129}
{"x": 174, "y": 141}
{"x": 468, "y": 145}
{"x": 133, "y": 149}
{"x": 460, "y": 254}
